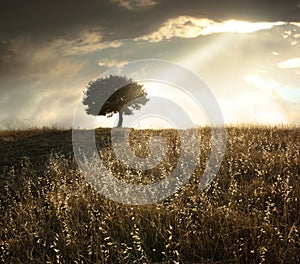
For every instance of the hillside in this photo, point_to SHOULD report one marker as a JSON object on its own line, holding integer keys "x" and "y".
{"x": 250, "y": 213}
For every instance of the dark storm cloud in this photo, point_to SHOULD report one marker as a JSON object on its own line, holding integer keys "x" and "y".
{"x": 5, "y": 48}
{"x": 50, "y": 19}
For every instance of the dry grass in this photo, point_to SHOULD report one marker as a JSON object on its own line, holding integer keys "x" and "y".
{"x": 250, "y": 214}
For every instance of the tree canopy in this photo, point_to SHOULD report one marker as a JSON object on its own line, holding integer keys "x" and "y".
{"x": 124, "y": 96}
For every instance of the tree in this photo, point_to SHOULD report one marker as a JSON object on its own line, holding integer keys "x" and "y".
{"x": 124, "y": 96}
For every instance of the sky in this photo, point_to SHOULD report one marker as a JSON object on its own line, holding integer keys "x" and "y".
{"x": 247, "y": 53}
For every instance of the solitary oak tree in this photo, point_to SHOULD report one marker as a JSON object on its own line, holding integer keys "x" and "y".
{"x": 124, "y": 96}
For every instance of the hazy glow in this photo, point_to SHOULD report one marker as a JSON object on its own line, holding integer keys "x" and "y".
{"x": 177, "y": 96}
{"x": 200, "y": 56}
{"x": 270, "y": 116}
{"x": 271, "y": 88}
{"x": 290, "y": 64}
{"x": 152, "y": 122}
{"x": 253, "y": 107}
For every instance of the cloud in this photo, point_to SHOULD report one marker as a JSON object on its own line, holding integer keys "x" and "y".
{"x": 110, "y": 63}
{"x": 41, "y": 81}
{"x": 23, "y": 50}
{"x": 50, "y": 50}
{"x": 134, "y": 4}
{"x": 86, "y": 42}
{"x": 59, "y": 19}
{"x": 191, "y": 27}
{"x": 71, "y": 48}
{"x": 36, "y": 61}
{"x": 39, "y": 84}
{"x": 5, "y": 47}
{"x": 289, "y": 64}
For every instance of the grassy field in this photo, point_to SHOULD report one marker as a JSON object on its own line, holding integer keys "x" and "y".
{"x": 250, "y": 213}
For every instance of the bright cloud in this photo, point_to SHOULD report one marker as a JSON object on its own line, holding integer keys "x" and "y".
{"x": 295, "y": 24}
{"x": 190, "y": 27}
{"x": 290, "y": 64}
{"x": 110, "y": 63}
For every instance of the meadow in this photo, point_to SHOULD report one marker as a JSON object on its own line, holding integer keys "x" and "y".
{"x": 49, "y": 213}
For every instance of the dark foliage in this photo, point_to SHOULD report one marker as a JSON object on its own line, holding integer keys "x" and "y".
{"x": 114, "y": 94}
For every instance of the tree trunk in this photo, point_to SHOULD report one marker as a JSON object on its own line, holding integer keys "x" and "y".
{"x": 120, "y": 119}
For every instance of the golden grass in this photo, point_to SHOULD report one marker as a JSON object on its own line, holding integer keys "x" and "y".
{"x": 250, "y": 214}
